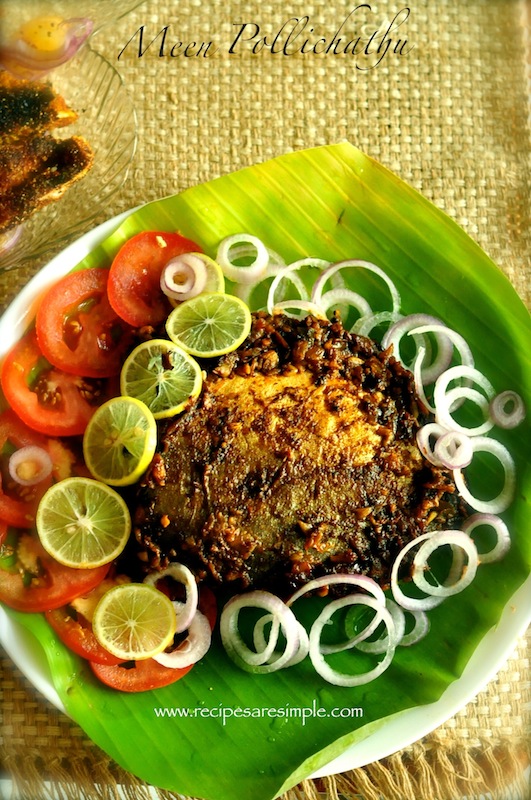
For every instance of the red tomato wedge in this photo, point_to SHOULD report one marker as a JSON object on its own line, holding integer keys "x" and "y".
{"x": 18, "y": 504}
{"x": 39, "y": 583}
{"x": 134, "y": 280}
{"x": 141, "y": 676}
{"x": 47, "y": 399}
{"x": 77, "y": 330}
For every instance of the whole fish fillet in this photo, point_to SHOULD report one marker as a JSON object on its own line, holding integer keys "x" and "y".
{"x": 298, "y": 459}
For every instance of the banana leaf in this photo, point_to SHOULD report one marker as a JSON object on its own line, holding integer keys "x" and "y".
{"x": 334, "y": 203}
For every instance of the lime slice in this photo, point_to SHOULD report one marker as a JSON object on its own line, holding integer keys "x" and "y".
{"x": 134, "y": 621}
{"x": 215, "y": 280}
{"x": 83, "y": 523}
{"x": 210, "y": 324}
{"x": 161, "y": 375}
{"x": 120, "y": 441}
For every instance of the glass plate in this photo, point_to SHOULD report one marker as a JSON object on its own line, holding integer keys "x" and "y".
{"x": 107, "y": 120}
{"x": 332, "y": 202}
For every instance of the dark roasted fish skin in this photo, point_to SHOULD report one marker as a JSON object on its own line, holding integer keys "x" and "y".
{"x": 299, "y": 459}
{"x": 61, "y": 164}
{"x": 30, "y": 106}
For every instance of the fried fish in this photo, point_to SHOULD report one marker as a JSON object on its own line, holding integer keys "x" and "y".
{"x": 35, "y": 167}
{"x": 298, "y": 459}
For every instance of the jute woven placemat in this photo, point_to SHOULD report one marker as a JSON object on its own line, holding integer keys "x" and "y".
{"x": 446, "y": 106}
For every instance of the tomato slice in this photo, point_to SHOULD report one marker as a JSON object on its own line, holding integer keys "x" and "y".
{"x": 134, "y": 280}
{"x": 18, "y": 504}
{"x": 137, "y": 676}
{"x": 47, "y": 399}
{"x": 141, "y": 676}
{"x": 39, "y": 583}
{"x": 77, "y": 330}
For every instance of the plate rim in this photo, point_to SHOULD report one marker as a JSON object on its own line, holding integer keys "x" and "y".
{"x": 418, "y": 721}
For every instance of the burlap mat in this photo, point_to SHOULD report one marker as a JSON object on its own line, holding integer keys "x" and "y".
{"x": 448, "y": 110}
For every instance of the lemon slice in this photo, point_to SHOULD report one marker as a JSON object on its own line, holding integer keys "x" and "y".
{"x": 162, "y": 375}
{"x": 120, "y": 441}
{"x": 215, "y": 280}
{"x": 134, "y": 621}
{"x": 83, "y": 523}
{"x": 210, "y": 324}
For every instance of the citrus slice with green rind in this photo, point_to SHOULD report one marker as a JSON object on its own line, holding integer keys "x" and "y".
{"x": 210, "y": 324}
{"x": 162, "y": 375}
{"x": 83, "y": 523}
{"x": 120, "y": 441}
{"x": 134, "y": 621}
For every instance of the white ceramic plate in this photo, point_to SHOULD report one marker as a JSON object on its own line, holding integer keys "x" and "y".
{"x": 398, "y": 733}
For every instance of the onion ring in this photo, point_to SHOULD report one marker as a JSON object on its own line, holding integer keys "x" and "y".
{"x": 236, "y": 648}
{"x": 30, "y": 465}
{"x": 253, "y": 247}
{"x": 318, "y": 263}
{"x": 445, "y": 399}
{"x": 183, "y": 277}
{"x": 415, "y": 325}
{"x": 498, "y": 410}
{"x": 180, "y": 573}
{"x": 503, "y": 542}
{"x": 333, "y": 268}
{"x": 434, "y": 541}
{"x": 317, "y": 656}
{"x": 194, "y": 647}
{"x": 505, "y": 497}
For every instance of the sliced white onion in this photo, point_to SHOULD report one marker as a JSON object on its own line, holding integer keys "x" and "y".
{"x": 444, "y": 334}
{"x": 305, "y": 307}
{"x": 366, "y": 324}
{"x": 183, "y": 277}
{"x": 337, "y": 297}
{"x": 446, "y": 400}
{"x": 360, "y": 581}
{"x": 180, "y": 573}
{"x": 419, "y": 631}
{"x": 317, "y": 656}
{"x": 260, "y": 642}
{"x": 434, "y": 541}
{"x": 288, "y": 271}
{"x": 416, "y": 325}
{"x": 503, "y": 538}
{"x": 194, "y": 647}
{"x": 507, "y": 410}
{"x": 419, "y": 380}
{"x": 30, "y": 465}
{"x": 454, "y": 450}
{"x": 235, "y": 247}
{"x": 503, "y": 500}
{"x": 245, "y": 290}
{"x": 411, "y": 603}
{"x": 283, "y": 617}
{"x": 358, "y": 638}
{"x": 424, "y": 435}
{"x": 381, "y": 644}
{"x": 332, "y": 269}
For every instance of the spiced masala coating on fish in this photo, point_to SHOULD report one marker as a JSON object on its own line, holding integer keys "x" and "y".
{"x": 298, "y": 459}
